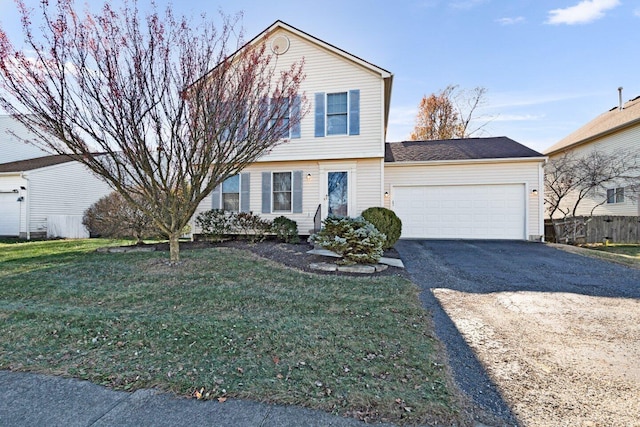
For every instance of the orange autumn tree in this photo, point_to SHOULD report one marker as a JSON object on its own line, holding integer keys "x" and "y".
{"x": 160, "y": 107}
{"x": 448, "y": 114}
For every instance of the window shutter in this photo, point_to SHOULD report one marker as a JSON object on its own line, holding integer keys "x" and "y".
{"x": 297, "y": 191}
{"x": 244, "y": 192}
{"x": 319, "y": 130}
{"x": 354, "y": 112}
{"x": 295, "y": 114}
{"x": 266, "y": 192}
{"x": 215, "y": 197}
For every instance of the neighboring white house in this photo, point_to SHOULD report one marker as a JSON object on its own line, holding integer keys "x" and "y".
{"x": 42, "y": 195}
{"x": 617, "y": 130}
{"x": 335, "y": 162}
{"x": 12, "y": 147}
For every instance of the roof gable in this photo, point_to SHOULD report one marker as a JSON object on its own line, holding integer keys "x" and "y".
{"x": 457, "y": 149}
{"x": 611, "y": 121}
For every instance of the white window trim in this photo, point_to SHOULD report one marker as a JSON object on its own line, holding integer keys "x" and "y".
{"x": 290, "y": 191}
{"x": 615, "y": 196}
{"x": 326, "y": 113}
{"x": 239, "y": 194}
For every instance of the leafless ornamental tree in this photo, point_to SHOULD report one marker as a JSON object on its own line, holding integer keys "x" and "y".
{"x": 570, "y": 179}
{"x": 162, "y": 108}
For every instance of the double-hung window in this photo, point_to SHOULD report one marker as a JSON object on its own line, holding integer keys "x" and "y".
{"x": 615, "y": 195}
{"x": 281, "y": 112}
{"x": 337, "y": 113}
{"x": 282, "y": 191}
{"x": 231, "y": 194}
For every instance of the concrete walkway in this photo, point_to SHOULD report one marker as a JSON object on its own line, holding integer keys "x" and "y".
{"x": 28, "y": 399}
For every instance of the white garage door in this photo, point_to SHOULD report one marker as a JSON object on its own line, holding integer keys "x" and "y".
{"x": 9, "y": 214}
{"x": 461, "y": 211}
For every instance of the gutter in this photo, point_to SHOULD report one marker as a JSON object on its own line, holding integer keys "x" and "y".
{"x": 27, "y": 213}
{"x": 467, "y": 161}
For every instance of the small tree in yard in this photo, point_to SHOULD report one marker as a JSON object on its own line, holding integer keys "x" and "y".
{"x": 157, "y": 106}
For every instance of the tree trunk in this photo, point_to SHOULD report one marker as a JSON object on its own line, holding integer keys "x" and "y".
{"x": 174, "y": 247}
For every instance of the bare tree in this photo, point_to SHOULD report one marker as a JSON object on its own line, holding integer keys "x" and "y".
{"x": 162, "y": 108}
{"x": 449, "y": 114}
{"x": 575, "y": 178}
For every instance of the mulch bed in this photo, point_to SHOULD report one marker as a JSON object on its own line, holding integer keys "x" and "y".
{"x": 291, "y": 255}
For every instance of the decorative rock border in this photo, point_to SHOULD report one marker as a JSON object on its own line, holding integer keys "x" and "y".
{"x": 358, "y": 268}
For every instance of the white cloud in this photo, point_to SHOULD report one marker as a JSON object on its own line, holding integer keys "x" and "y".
{"x": 510, "y": 21}
{"x": 637, "y": 12}
{"x": 514, "y": 117}
{"x": 582, "y": 13}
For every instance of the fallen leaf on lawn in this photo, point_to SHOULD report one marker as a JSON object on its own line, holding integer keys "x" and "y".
{"x": 198, "y": 393}
{"x": 279, "y": 376}
{"x": 222, "y": 399}
{"x": 240, "y": 370}
{"x": 276, "y": 359}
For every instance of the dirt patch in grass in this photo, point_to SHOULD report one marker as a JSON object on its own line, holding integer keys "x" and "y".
{"x": 559, "y": 359}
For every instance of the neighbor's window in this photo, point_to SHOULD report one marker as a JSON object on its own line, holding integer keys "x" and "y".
{"x": 337, "y": 113}
{"x": 615, "y": 195}
{"x": 282, "y": 191}
{"x": 231, "y": 194}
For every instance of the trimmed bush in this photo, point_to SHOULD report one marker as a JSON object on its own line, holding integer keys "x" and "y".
{"x": 285, "y": 229}
{"x": 214, "y": 223}
{"x": 113, "y": 216}
{"x": 356, "y": 239}
{"x": 386, "y": 222}
{"x": 250, "y": 226}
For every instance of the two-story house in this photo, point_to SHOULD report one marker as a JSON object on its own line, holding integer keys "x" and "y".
{"x": 613, "y": 132}
{"x": 337, "y": 160}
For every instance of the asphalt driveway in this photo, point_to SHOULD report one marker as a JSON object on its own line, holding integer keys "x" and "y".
{"x": 485, "y": 274}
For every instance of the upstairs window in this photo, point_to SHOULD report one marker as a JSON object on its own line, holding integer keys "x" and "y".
{"x": 337, "y": 113}
{"x": 615, "y": 195}
{"x": 281, "y": 113}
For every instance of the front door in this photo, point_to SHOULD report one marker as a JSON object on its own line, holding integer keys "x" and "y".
{"x": 338, "y": 193}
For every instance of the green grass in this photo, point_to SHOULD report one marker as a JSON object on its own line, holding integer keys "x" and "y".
{"x": 626, "y": 254}
{"x": 628, "y": 250}
{"x": 225, "y": 323}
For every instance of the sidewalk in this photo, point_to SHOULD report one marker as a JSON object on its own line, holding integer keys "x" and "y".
{"x": 43, "y": 400}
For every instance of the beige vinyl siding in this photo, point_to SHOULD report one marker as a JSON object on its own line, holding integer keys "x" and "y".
{"x": 65, "y": 189}
{"x": 327, "y": 72}
{"x": 473, "y": 173}
{"x": 626, "y": 140}
{"x": 365, "y": 193}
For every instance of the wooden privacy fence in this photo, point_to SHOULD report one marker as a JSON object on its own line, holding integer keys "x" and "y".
{"x": 594, "y": 229}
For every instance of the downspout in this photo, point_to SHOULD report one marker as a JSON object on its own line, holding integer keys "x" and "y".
{"x": 27, "y": 214}
{"x": 541, "y": 198}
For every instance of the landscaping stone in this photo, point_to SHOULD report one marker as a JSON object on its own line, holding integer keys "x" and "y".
{"x": 358, "y": 268}
{"x": 323, "y": 266}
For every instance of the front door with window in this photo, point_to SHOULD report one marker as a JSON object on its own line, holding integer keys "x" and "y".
{"x": 338, "y": 193}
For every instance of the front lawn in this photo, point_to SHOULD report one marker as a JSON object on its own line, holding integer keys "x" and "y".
{"x": 623, "y": 249}
{"x": 223, "y": 323}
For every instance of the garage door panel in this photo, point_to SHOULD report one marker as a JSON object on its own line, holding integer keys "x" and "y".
{"x": 462, "y": 211}
{"x": 9, "y": 214}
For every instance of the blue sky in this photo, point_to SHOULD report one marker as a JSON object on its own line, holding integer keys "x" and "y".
{"x": 549, "y": 66}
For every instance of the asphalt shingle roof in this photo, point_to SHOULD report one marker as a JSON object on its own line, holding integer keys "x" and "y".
{"x": 499, "y": 147}
{"x": 606, "y": 122}
{"x": 36, "y": 163}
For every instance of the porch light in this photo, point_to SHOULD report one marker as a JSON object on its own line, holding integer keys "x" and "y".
{"x": 534, "y": 192}
{"x": 308, "y": 177}
{"x": 386, "y": 194}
